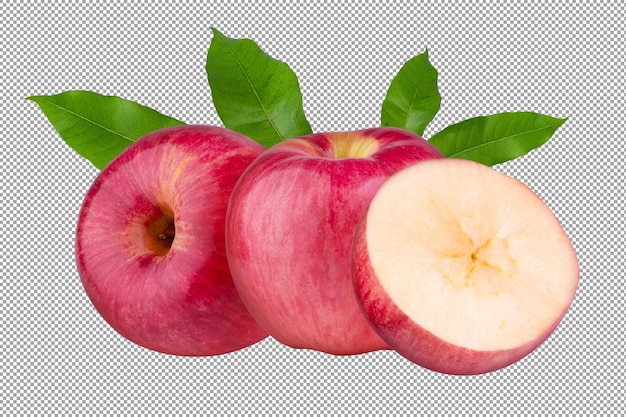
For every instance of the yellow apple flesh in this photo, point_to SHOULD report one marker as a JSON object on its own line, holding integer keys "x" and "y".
{"x": 460, "y": 268}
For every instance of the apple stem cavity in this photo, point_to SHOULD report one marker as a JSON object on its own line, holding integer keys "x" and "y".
{"x": 352, "y": 145}
{"x": 160, "y": 233}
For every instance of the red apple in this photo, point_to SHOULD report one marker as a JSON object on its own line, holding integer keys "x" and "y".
{"x": 290, "y": 225}
{"x": 150, "y": 242}
{"x": 460, "y": 268}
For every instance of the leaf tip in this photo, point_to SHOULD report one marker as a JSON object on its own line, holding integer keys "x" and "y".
{"x": 217, "y": 33}
{"x": 559, "y": 121}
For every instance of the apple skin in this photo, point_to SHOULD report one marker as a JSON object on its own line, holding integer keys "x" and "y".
{"x": 173, "y": 184}
{"x": 290, "y": 224}
{"x": 413, "y": 341}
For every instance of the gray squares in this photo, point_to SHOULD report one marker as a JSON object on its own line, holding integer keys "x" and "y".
{"x": 561, "y": 58}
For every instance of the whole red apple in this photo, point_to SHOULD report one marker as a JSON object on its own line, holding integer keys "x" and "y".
{"x": 150, "y": 242}
{"x": 290, "y": 226}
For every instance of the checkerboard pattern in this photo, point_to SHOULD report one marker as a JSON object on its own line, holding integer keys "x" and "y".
{"x": 563, "y": 58}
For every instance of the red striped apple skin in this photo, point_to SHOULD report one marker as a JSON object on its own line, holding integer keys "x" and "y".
{"x": 178, "y": 300}
{"x": 291, "y": 220}
{"x": 414, "y": 342}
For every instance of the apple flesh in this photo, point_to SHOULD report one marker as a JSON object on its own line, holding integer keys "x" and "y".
{"x": 460, "y": 268}
{"x": 150, "y": 242}
{"x": 290, "y": 225}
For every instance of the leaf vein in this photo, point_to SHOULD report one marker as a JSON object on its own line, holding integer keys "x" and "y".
{"x": 77, "y": 115}
{"x": 491, "y": 142}
{"x": 256, "y": 95}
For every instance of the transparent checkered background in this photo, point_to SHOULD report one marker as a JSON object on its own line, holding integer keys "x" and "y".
{"x": 561, "y": 58}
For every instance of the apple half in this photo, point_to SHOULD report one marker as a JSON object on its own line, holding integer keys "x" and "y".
{"x": 460, "y": 268}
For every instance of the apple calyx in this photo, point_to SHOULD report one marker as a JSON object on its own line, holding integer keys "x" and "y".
{"x": 160, "y": 233}
{"x": 151, "y": 233}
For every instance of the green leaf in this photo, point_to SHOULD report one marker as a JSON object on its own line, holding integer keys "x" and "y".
{"x": 99, "y": 127}
{"x": 497, "y": 138}
{"x": 412, "y": 99}
{"x": 253, "y": 93}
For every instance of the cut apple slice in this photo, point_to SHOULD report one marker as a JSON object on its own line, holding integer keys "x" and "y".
{"x": 460, "y": 268}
